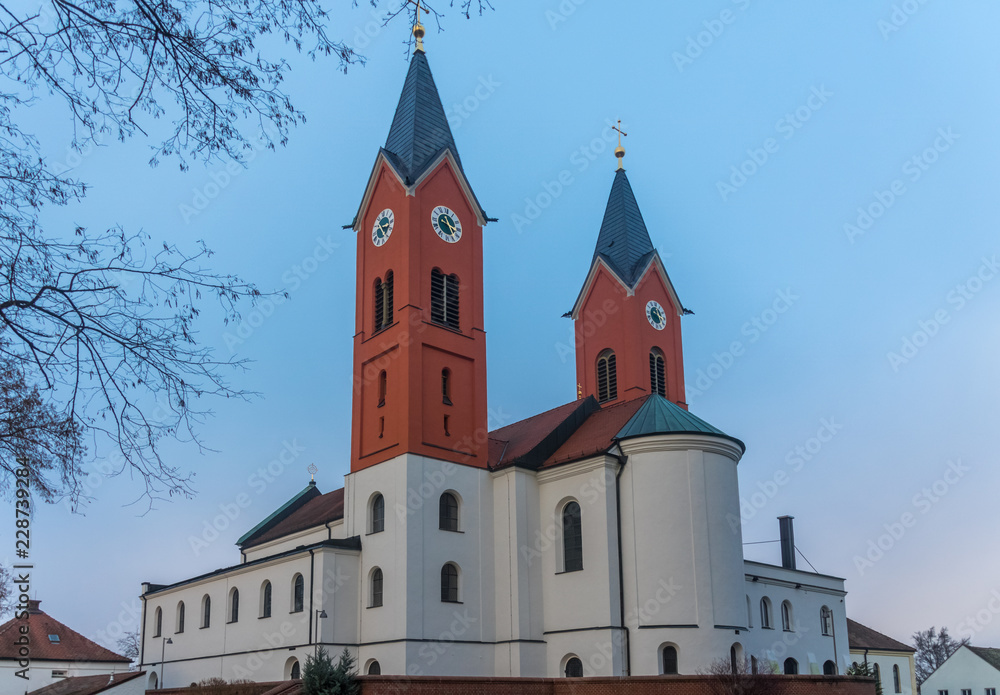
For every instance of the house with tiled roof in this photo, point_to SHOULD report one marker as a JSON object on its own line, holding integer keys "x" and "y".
{"x": 37, "y": 650}
{"x": 128, "y": 683}
{"x": 968, "y": 671}
{"x": 891, "y": 660}
{"x": 601, "y": 537}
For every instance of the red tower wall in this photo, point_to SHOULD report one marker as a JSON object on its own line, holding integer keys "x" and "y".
{"x": 413, "y": 350}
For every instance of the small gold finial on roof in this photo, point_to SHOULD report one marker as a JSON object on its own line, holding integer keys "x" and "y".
{"x": 579, "y": 391}
{"x": 620, "y": 151}
{"x": 418, "y": 28}
{"x": 312, "y": 472}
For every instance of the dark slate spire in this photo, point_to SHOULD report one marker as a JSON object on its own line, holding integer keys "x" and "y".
{"x": 624, "y": 242}
{"x": 420, "y": 129}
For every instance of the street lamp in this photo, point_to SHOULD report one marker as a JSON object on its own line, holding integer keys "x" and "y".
{"x": 320, "y": 613}
{"x": 163, "y": 649}
{"x": 828, "y": 615}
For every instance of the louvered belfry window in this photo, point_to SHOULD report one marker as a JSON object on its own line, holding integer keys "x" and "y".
{"x": 444, "y": 299}
{"x": 383, "y": 302}
{"x": 607, "y": 377}
{"x": 657, "y": 373}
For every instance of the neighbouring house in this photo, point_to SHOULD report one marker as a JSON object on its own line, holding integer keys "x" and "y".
{"x": 54, "y": 652}
{"x": 969, "y": 671}
{"x": 891, "y": 659}
{"x": 129, "y": 683}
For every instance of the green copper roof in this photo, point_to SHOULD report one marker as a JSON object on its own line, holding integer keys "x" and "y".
{"x": 287, "y": 508}
{"x": 659, "y": 416}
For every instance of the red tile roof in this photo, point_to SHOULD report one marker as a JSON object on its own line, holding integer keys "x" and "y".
{"x": 87, "y": 685}
{"x": 70, "y": 646}
{"x": 862, "y": 637}
{"x": 320, "y": 510}
{"x": 597, "y": 434}
{"x": 510, "y": 443}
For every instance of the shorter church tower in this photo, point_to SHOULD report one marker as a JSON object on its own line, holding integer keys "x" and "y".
{"x": 627, "y": 316}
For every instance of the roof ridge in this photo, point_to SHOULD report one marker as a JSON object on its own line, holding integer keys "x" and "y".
{"x": 530, "y": 417}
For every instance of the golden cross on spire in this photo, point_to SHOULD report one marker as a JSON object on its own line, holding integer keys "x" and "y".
{"x": 620, "y": 151}
{"x": 418, "y": 28}
{"x": 313, "y": 470}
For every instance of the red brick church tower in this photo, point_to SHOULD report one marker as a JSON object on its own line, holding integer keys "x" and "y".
{"x": 627, "y": 316}
{"x": 419, "y": 344}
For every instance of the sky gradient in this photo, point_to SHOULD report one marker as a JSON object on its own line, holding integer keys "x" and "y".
{"x": 819, "y": 178}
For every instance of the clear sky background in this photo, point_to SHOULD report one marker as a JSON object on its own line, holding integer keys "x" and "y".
{"x": 540, "y": 84}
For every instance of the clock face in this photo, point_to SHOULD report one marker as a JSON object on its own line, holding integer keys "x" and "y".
{"x": 656, "y": 315}
{"x": 446, "y": 224}
{"x": 382, "y": 228}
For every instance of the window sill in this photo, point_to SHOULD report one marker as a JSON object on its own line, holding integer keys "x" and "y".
{"x": 373, "y": 533}
{"x": 370, "y": 607}
{"x": 294, "y": 612}
{"x": 569, "y": 571}
{"x": 204, "y": 627}
{"x": 448, "y": 530}
{"x": 263, "y": 617}
{"x": 766, "y": 627}
{"x": 453, "y": 602}
{"x": 232, "y": 622}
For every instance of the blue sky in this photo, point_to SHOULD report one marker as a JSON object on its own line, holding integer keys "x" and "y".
{"x": 867, "y": 344}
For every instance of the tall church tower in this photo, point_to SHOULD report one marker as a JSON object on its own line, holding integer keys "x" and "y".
{"x": 419, "y": 344}
{"x": 627, "y": 316}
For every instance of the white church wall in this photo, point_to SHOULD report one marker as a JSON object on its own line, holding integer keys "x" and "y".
{"x": 518, "y": 548}
{"x": 588, "y": 598}
{"x": 805, "y": 642}
{"x": 907, "y": 674}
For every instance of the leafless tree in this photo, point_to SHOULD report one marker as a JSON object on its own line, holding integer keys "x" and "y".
{"x": 128, "y": 645}
{"x": 98, "y": 342}
{"x": 743, "y": 680}
{"x": 933, "y": 649}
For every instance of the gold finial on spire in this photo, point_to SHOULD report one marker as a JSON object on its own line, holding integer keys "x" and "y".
{"x": 579, "y": 392}
{"x": 418, "y": 28}
{"x": 312, "y": 472}
{"x": 620, "y": 151}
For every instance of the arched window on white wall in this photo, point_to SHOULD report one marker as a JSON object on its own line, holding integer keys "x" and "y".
{"x": 668, "y": 660}
{"x": 573, "y": 667}
{"x": 765, "y": 613}
{"x": 786, "y": 616}
{"x": 572, "y": 537}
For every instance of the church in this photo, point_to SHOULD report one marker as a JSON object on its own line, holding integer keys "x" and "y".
{"x": 599, "y": 538}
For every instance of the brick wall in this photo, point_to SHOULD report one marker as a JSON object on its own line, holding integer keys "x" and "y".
{"x": 664, "y": 685}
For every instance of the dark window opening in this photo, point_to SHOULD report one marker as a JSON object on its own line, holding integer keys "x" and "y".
{"x": 158, "y": 624}
{"x": 376, "y": 588}
{"x": 446, "y": 386}
{"x": 607, "y": 377}
{"x": 657, "y": 373}
{"x": 791, "y": 667}
{"x": 206, "y": 612}
{"x": 180, "y": 617}
{"x": 447, "y": 433}
{"x": 670, "y": 660}
{"x": 298, "y": 594}
{"x": 266, "y": 608}
{"x": 448, "y": 512}
{"x": 572, "y": 538}
{"x": 383, "y": 302}
{"x": 830, "y": 669}
{"x": 374, "y": 669}
{"x": 296, "y": 671}
{"x": 234, "y": 606}
{"x": 449, "y": 583}
{"x": 381, "y": 427}
{"x": 444, "y": 299}
{"x": 383, "y": 386}
{"x": 574, "y": 668}
{"x": 378, "y": 514}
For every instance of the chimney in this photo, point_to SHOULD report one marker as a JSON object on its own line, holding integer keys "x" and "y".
{"x": 787, "y": 542}
{"x": 33, "y": 606}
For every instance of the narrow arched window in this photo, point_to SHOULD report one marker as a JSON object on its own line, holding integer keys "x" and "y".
{"x": 446, "y": 386}
{"x": 206, "y": 611}
{"x": 374, "y": 669}
{"x": 607, "y": 377}
{"x": 383, "y": 387}
{"x": 383, "y": 302}
{"x": 265, "y": 600}
{"x": 765, "y": 613}
{"x": 735, "y": 658}
{"x": 234, "y": 606}
{"x": 378, "y": 514}
{"x": 180, "y": 617}
{"x": 298, "y": 594}
{"x": 786, "y": 616}
{"x": 444, "y": 299}
{"x": 830, "y": 669}
{"x": 878, "y": 678}
{"x": 574, "y": 668}
{"x": 753, "y": 665}
{"x": 657, "y": 373}
{"x": 448, "y": 512}
{"x": 791, "y": 667}
{"x": 897, "y": 683}
{"x": 376, "y": 588}
{"x": 158, "y": 622}
{"x": 296, "y": 671}
{"x": 670, "y": 660}
{"x": 749, "y": 613}
{"x": 826, "y": 620}
{"x": 449, "y": 583}
{"x": 572, "y": 527}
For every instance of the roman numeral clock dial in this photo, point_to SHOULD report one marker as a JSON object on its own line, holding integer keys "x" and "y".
{"x": 446, "y": 224}
{"x": 656, "y": 316}
{"x": 382, "y": 228}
